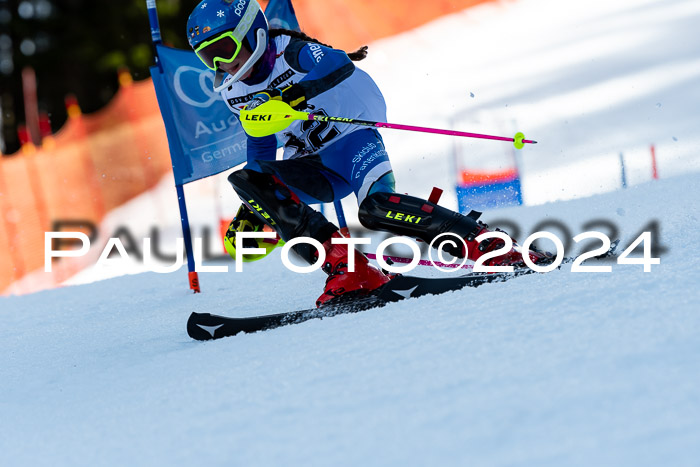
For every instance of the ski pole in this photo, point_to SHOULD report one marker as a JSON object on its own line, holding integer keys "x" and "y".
{"x": 274, "y": 116}
{"x": 518, "y": 140}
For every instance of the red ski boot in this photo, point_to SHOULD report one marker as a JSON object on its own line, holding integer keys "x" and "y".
{"x": 340, "y": 281}
{"x": 514, "y": 257}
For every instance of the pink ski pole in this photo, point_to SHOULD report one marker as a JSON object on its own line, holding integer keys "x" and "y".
{"x": 275, "y": 115}
{"x": 518, "y": 140}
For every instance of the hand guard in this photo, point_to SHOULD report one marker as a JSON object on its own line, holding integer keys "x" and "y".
{"x": 246, "y": 221}
{"x": 258, "y": 100}
{"x": 292, "y": 95}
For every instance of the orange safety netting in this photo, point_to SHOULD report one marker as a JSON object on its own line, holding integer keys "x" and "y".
{"x": 94, "y": 164}
{"x": 97, "y": 162}
{"x": 349, "y": 24}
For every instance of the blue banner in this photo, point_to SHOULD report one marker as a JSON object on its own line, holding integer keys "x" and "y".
{"x": 207, "y": 138}
{"x": 204, "y": 136}
{"x": 280, "y": 14}
{"x": 489, "y": 195}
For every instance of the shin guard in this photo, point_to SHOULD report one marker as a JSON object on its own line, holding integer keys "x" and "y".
{"x": 418, "y": 218}
{"x": 281, "y": 209}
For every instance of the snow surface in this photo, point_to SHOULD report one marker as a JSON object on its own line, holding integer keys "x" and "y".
{"x": 587, "y": 80}
{"x": 556, "y": 369}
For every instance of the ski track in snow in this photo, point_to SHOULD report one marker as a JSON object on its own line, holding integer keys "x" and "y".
{"x": 555, "y": 369}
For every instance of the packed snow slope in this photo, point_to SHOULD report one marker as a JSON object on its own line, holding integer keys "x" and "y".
{"x": 553, "y": 369}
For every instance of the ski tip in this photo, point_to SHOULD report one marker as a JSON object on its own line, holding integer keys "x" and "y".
{"x": 196, "y": 330}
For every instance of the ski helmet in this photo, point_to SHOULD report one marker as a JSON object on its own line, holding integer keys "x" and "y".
{"x": 244, "y": 18}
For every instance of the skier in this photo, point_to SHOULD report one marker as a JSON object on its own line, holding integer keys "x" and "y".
{"x": 322, "y": 162}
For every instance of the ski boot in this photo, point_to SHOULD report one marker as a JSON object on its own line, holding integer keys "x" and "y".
{"x": 340, "y": 281}
{"x": 514, "y": 257}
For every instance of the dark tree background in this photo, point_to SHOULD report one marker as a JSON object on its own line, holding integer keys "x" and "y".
{"x": 76, "y": 47}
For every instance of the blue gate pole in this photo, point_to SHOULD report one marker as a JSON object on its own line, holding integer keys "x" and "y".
{"x": 341, "y": 218}
{"x": 187, "y": 237}
{"x": 153, "y": 21}
{"x": 184, "y": 219}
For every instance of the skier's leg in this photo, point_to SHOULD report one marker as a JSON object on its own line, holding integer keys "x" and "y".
{"x": 407, "y": 215}
{"x": 309, "y": 178}
{"x": 361, "y": 159}
{"x": 274, "y": 202}
{"x": 370, "y": 175}
{"x": 279, "y": 207}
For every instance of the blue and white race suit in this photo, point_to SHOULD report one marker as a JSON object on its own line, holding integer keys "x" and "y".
{"x": 322, "y": 161}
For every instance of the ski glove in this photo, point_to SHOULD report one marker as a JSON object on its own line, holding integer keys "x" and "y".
{"x": 246, "y": 221}
{"x": 292, "y": 95}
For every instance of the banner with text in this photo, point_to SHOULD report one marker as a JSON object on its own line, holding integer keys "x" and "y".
{"x": 208, "y": 137}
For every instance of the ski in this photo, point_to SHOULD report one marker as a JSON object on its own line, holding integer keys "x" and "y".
{"x": 205, "y": 326}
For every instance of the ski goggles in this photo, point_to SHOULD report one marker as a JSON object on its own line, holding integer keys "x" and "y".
{"x": 223, "y": 48}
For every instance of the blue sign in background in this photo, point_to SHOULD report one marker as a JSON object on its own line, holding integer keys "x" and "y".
{"x": 489, "y": 195}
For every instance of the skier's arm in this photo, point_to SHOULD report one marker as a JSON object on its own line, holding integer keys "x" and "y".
{"x": 325, "y": 68}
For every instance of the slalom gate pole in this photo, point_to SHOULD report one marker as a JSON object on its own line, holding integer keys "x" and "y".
{"x": 182, "y": 205}
{"x": 153, "y": 22}
{"x": 342, "y": 223}
{"x": 187, "y": 237}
